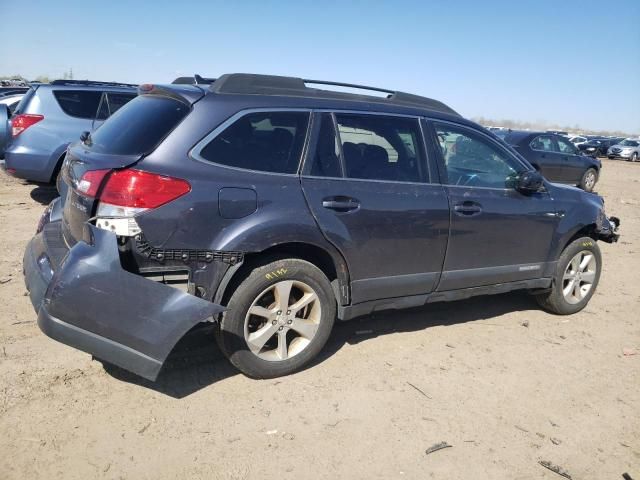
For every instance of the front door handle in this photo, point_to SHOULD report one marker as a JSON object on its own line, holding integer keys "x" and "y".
{"x": 341, "y": 204}
{"x": 467, "y": 209}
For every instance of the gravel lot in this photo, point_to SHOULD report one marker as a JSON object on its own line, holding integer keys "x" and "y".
{"x": 504, "y": 395}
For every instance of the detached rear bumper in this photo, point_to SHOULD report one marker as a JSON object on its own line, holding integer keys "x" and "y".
{"x": 85, "y": 299}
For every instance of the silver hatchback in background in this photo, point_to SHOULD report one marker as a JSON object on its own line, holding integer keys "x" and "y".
{"x": 628, "y": 149}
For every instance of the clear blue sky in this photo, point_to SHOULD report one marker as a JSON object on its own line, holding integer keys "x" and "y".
{"x": 569, "y": 62}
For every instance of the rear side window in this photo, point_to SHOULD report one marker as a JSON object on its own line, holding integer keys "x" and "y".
{"x": 78, "y": 103}
{"x": 111, "y": 102}
{"x": 139, "y": 126}
{"x": 264, "y": 141}
{"x": 377, "y": 147}
{"x": 543, "y": 143}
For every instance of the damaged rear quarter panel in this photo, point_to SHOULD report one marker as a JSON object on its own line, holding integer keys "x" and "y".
{"x": 93, "y": 292}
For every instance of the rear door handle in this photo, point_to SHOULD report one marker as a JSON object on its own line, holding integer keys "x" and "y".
{"x": 341, "y": 204}
{"x": 467, "y": 209}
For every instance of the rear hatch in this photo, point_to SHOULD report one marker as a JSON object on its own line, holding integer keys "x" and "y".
{"x": 5, "y": 118}
{"x": 126, "y": 137}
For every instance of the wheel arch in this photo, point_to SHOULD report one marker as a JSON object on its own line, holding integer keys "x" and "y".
{"x": 59, "y": 155}
{"x": 332, "y": 264}
{"x": 589, "y": 230}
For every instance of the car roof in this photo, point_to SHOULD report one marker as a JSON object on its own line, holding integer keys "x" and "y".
{"x": 294, "y": 87}
{"x": 513, "y": 137}
{"x": 251, "y": 84}
{"x": 269, "y": 91}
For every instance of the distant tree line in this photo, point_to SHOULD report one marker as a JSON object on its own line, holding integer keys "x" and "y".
{"x": 520, "y": 125}
{"x": 68, "y": 75}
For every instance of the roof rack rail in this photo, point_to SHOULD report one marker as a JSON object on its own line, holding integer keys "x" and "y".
{"x": 348, "y": 85}
{"x": 195, "y": 80}
{"x": 92, "y": 83}
{"x": 245, "y": 83}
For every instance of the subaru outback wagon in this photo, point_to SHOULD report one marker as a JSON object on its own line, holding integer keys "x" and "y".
{"x": 272, "y": 206}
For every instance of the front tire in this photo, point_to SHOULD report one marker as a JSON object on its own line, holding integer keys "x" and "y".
{"x": 576, "y": 278}
{"x": 278, "y": 319}
{"x": 589, "y": 180}
{"x": 634, "y": 157}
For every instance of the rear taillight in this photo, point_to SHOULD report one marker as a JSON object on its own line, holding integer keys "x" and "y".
{"x": 20, "y": 123}
{"x": 90, "y": 182}
{"x": 137, "y": 189}
{"x": 122, "y": 194}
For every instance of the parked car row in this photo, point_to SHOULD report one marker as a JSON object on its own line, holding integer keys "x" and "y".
{"x": 611, "y": 147}
{"x": 273, "y": 205}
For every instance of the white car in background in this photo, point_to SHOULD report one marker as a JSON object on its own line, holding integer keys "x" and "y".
{"x": 578, "y": 139}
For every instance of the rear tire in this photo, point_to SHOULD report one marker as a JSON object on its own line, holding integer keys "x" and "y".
{"x": 589, "y": 180}
{"x": 575, "y": 279}
{"x": 279, "y": 337}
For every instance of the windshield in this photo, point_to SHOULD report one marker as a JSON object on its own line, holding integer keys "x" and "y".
{"x": 629, "y": 143}
{"x": 139, "y": 126}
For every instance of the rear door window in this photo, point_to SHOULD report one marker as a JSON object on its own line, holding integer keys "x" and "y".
{"x": 378, "y": 147}
{"x": 139, "y": 126}
{"x": 543, "y": 143}
{"x": 263, "y": 141}
{"x": 79, "y": 103}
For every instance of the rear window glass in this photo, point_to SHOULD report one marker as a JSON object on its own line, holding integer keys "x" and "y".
{"x": 78, "y": 103}
{"x": 264, "y": 141}
{"x": 139, "y": 126}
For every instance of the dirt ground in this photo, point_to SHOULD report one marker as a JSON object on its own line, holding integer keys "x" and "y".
{"x": 504, "y": 383}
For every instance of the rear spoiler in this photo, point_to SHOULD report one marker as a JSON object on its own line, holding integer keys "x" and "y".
{"x": 195, "y": 80}
{"x": 185, "y": 93}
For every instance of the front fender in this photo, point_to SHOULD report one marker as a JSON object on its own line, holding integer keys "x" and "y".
{"x": 580, "y": 211}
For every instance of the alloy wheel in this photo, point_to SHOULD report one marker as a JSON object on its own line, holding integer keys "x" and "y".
{"x": 590, "y": 180}
{"x": 282, "y": 320}
{"x": 579, "y": 276}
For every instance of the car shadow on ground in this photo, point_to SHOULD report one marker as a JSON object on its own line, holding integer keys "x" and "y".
{"x": 196, "y": 362}
{"x": 43, "y": 193}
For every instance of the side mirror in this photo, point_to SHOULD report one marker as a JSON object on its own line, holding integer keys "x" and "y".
{"x": 529, "y": 182}
{"x": 84, "y": 136}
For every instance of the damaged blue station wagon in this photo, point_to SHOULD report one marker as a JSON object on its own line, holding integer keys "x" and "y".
{"x": 272, "y": 206}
